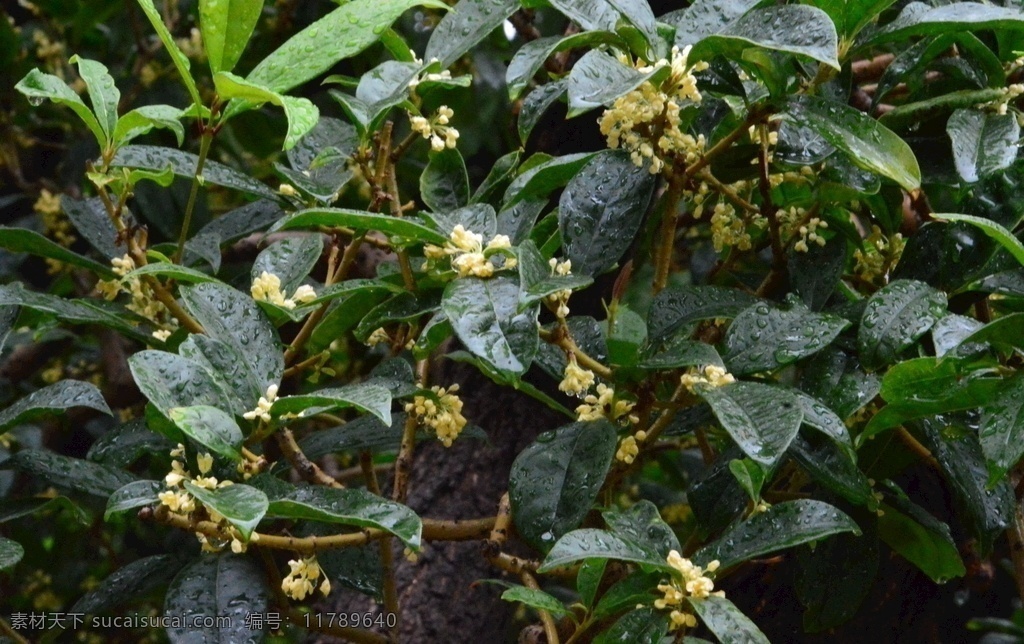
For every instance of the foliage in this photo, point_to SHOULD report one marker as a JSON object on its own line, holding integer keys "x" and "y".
{"x": 209, "y": 365}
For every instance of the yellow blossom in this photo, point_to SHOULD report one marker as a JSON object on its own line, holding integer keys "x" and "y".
{"x": 628, "y": 450}
{"x": 262, "y": 410}
{"x": 604, "y": 405}
{"x": 707, "y": 376}
{"x": 298, "y": 584}
{"x": 687, "y": 583}
{"x": 267, "y": 288}
{"x": 444, "y": 416}
{"x": 576, "y": 380}
{"x": 441, "y": 135}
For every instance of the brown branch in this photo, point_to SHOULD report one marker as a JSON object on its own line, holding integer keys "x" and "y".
{"x": 306, "y": 468}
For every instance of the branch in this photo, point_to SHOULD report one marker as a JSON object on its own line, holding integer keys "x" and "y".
{"x": 306, "y": 468}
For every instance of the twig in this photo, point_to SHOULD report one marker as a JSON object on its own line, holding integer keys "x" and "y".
{"x": 387, "y": 557}
{"x": 306, "y": 468}
{"x": 550, "y": 630}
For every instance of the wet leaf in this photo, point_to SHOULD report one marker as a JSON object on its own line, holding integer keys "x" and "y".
{"x": 895, "y": 317}
{"x": 210, "y": 427}
{"x": 727, "y": 622}
{"x": 444, "y": 184}
{"x": 227, "y": 26}
{"x": 72, "y": 473}
{"x": 11, "y": 553}
{"x": 762, "y": 338}
{"x": 136, "y": 494}
{"x": 183, "y": 164}
{"x": 537, "y": 599}
{"x": 983, "y": 143}
{"x": 761, "y": 419}
{"x": 213, "y": 596}
{"x": 469, "y": 22}
{"x": 52, "y": 399}
{"x": 242, "y": 505}
{"x": 128, "y": 583}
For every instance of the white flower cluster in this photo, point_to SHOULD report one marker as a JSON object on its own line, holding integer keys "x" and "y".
{"x": 469, "y": 256}
{"x": 576, "y": 380}
{"x": 262, "y": 410}
{"x": 629, "y": 447}
{"x": 1002, "y": 104}
{"x": 142, "y": 300}
{"x": 687, "y": 583}
{"x": 179, "y": 501}
{"x": 646, "y": 120}
{"x": 267, "y": 288}
{"x": 436, "y": 129}
{"x": 604, "y": 405}
{"x": 444, "y": 415}
{"x": 559, "y": 300}
{"x": 707, "y": 376}
{"x": 299, "y": 583}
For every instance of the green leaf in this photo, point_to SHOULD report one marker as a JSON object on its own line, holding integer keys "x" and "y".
{"x": 588, "y": 579}
{"x": 641, "y": 523}
{"x": 210, "y": 427}
{"x": 360, "y": 220}
{"x": 183, "y": 164}
{"x": 242, "y": 505}
{"x": 851, "y": 17}
{"x": 485, "y": 317}
{"x": 590, "y": 543}
{"x": 537, "y": 599}
{"x": 177, "y": 272}
{"x": 814, "y": 274}
{"x": 536, "y": 104}
{"x": 1002, "y": 428}
{"x": 627, "y": 593}
{"x": 291, "y": 259}
{"x": 21, "y": 240}
{"x": 926, "y": 386}
{"x": 681, "y": 353}
{"x": 792, "y": 29}
{"x": 349, "y": 507}
{"x": 227, "y": 26}
{"x": 76, "y": 311}
{"x": 983, "y": 143}
{"x": 301, "y": 113}
{"x": 727, "y": 622}
{"x": 177, "y": 57}
{"x": 919, "y": 19}
{"x": 1004, "y": 333}
{"x": 368, "y": 397}
{"x": 17, "y": 508}
{"x": 71, "y": 473}
{"x": 750, "y": 476}
{"x": 91, "y": 220}
{"x": 601, "y": 210}
{"x": 11, "y": 553}
{"x": 469, "y": 22}
{"x": 835, "y": 577}
{"x": 598, "y": 79}
{"x": 761, "y": 419}
{"x": 136, "y": 494}
{"x": 365, "y": 433}
{"x": 555, "y": 480}
{"x": 1004, "y": 237}
{"x": 592, "y": 15}
{"x": 38, "y": 86}
{"x": 762, "y": 338}
{"x": 676, "y": 307}
{"x": 529, "y": 58}
{"x": 988, "y": 508}
{"x": 818, "y": 416}
{"x": 868, "y": 144}
{"x": 782, "y": 526}
{"x": 895, "y": 317}
{"x": 143, "y": 119}
{"x": 834, "y": 467}
{"x": 235, "y": 319}
{"x": 103, "y": 93}
{"x": 497, "y": 179}
{"x": 344, "y": 32}
{"x": 920, "y": 538}
{"x": 638, "y": 13}
{"x": 539, "y": 179}
{"x": 128, "y": 583}
{"x": 640, "y": 626}
{"x": 52, "y": 399}
{"x": 444, "y": 184}
{"x": 211, "y": 599}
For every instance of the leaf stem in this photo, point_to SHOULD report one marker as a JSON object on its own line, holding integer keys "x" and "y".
{"x": 204, "y": 149}
{"x": 403, "y": 464}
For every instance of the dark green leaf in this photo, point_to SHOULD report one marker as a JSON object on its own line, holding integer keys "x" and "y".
{"x": 1002, "y": 428}
{"x": 169, "y": 381}
{"x": 681, "y": 353}
{"x": 290, "y": 259}
{"x": 21, "y": 240}
{"x": 674, "y": 308}
{"x": 349, "y": 507}
{"x": 763, "y": 338}
{"x": 227, "y": 368}
{"x": 136, "y": 494}
{"x": 727, "y": 622}
{"x": 793, "y": 29}
{"x": 851, "y": 17}
{"x": 469, "y": 22}
{"x": 368, "y": 397}
{"x": 598, "y": 79}
{"x": 642, "y": 524}
{"x": 761, "y": 419}
{"x": 588, "y": 579}
{"x": 868, "y": 144}
{"x": 530, "y": 57}
{"x": 77, "y": 311}
{"x": 592, "y": 15}
{"x": 590, "y": 543}
{"x": 211, "y": 427}
{"x": 128, "y": 583}
{"x": 484, "y": 315}
{"x": 54, "y": 398}
{"x": 17, "y": 508}
{"x": 835, "y": 577}
{"x": 72, "y": 473}
{"x": 536, "y": 104}
{"x": 242, "y": 505}
{"x": 555, "y": 480}
{"x": 950, "y": 332}
{"x": 834, "y": 467}
{"x": 782, "y": 526}
{"x": 895, "y": 317}
{"x": 177, "y": 57}
{"x": 601, "y": 209}
{"x": 38, "y": 86}
{"x": 919, "y": 19}
{"x": 706, "y": 17}
{"x": 920, "y": 538}
{"x": 539, "y": 179}
{"x": 444, "y": 184}
{"x": 235, "y": 319}
{"x": 365, "y": 433}
{"x": 814, "y": 275}
{"x": 983, "y": 143}
{"x": 640, "y": 626}
{"x": 627, "y": 593}
{"x": 210, "y": 600}
{"x": 536, "y": 280}
{"x": 183, "y": 164}
{"x": 993, "y": 229}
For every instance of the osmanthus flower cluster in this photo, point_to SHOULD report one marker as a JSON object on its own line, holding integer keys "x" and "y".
{"x": 646, "y": 121}
{"x": 558, "y": 301}
{"x": 443, "y": 415}
{"x": 688, "y": 583}
{"x": 436, "y": 129}
{"x": 707, "y": 376}
{"x": 301, "y": 580}
{"x": 267, "y": 288}
{"x": 142, "y": 299}
{"x": 469, "y": 256}
{"x": 878, "y": 255}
